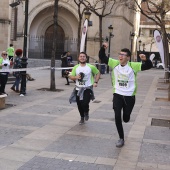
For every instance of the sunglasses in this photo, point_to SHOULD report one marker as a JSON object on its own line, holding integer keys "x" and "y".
{"x": 4, "y": 54}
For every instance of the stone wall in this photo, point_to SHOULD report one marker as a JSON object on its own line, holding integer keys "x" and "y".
{"x": 4, "y": 25}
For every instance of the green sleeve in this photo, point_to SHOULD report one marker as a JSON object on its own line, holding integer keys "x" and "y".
{"x": 112, "y": 62}
{"x": 94, "y": 69}
{"x": 1, "y": 60}
{"x": 136, "y": 66}
{"x": 73, "y": 72}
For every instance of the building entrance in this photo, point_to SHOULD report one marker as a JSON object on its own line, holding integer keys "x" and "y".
{"x": 48, "y": 42}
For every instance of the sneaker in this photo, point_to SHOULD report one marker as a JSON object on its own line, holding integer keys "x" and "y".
{"x": 21, "y": 95}
{"x": 81, "y": 121}
{"x": 120, "y": 143}
{"x": 86, "y": 116}
{"x": 12, "y": 88}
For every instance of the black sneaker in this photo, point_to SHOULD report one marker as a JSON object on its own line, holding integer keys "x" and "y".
{"x": 81, "y": 121}
{"x": 120, "y": 143}
{"x": 86, "y": 116}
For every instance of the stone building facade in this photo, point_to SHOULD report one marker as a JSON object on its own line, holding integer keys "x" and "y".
{"x": 40, "y": 28}
{"x": 5, "y": 23}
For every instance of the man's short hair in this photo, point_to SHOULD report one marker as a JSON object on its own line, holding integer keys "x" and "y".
{"x": 11, "y": 45}
{"x": 83, "y": 53}
{"x": 126, "y": 50}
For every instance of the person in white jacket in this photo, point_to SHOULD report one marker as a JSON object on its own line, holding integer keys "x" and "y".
{"x": 4, "y": 71}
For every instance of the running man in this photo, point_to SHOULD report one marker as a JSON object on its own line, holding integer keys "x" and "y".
{"x": 124, "y": 84}
{"x": 86, "y": 77}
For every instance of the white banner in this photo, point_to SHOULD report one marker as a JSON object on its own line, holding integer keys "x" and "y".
{"x": 83, "y": 36}
{"x": 159, "y": 43}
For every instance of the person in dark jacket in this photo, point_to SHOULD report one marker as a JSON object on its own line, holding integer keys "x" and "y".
{"x": 124, "y": 84}
{"x": 16, "y": 74}
{"x": 64, "y": 63}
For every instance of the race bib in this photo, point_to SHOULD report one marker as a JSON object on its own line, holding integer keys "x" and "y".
{"x": 123, "y": 83}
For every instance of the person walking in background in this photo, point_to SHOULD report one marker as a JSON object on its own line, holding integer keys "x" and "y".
{"x": 124, "y": 84}
{"x": 83, "y": 73}
{"x": 4, "y": 65}
{"x": 10, "y": 52}
{"x": 64, "y": 63}
{"x": 17, "y": 64}
{"x": 69, "y": 59}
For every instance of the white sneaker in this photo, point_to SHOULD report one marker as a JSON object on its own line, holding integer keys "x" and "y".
{"x": 21, "y": 95}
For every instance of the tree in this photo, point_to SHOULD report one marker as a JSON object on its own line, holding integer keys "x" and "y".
{"x": 52, "y": 85}
{"x": 55, "y": 47}
{"x": 101, "y": 8}
{"x": 156, "y": 11}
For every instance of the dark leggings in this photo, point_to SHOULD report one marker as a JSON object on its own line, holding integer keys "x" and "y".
{"x": 126, "y": 103}
{"x": 83, "y": 105}
{"x": 3, "y": 81}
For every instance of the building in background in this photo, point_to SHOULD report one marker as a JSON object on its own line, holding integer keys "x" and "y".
{"x": 145, "y": 41}
{"x": 40, "y": 28}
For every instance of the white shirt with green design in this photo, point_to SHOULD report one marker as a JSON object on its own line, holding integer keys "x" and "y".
{"x": 87, "y": 75}
{"x": 124, "y": 77}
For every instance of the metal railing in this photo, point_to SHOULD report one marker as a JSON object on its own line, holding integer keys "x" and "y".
{"x": 41, "y": 47}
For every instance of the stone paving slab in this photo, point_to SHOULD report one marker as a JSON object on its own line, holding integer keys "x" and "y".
{"x": 83, "y": 145}
{"x": 10, "y": 135}
{"x": 154, "y": 153}
{"x": 152, "y": 132}
{"x": 6, "y": 164}
{"x": 45, "y": 109}
{"x": 58, "y": 164}
{"x": 26, "y": 120}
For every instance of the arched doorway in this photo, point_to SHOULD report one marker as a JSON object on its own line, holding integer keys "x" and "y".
{"x": 48, "y": 42}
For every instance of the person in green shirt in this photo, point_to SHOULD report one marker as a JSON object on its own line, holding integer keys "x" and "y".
{"x": 10, "y": 52}
{"x": 124, "y": 84}
{"x": 86, "y": 77}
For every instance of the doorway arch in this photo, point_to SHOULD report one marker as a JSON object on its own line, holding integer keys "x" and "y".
{"x": 48, "y": 42}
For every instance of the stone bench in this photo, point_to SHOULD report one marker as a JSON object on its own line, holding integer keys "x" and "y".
{"x": 2, "y": 101}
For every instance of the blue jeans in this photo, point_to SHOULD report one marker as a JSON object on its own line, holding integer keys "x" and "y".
{"x": 16, "y": 83}
{"x": 103, "y": 68}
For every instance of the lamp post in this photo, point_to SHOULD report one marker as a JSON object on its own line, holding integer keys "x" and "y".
{"x": 132, "y": 37}
{"x": 24, "y": 58}
{"x": 131, "y": 46}
{"x": 140, "y": 42}
{"x": 110, "y": 29}
{"x": 143, "y": 46}
{"x": 87, "y": 15}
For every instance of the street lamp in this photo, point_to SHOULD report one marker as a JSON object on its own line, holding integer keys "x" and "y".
{"x": 87, "y": 15}
{"x": 24, "y": 58}
{"x": 140, "y": 42}
{"x": 132, "y": 37}
{"x": 110, "y": 30}
{"x": 143, "y": 46}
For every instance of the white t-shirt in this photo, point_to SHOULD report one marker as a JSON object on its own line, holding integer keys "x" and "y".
{"x": 124, "y": 77}
{"x": 5, "y": 68}
{"x": 87, "y": 75}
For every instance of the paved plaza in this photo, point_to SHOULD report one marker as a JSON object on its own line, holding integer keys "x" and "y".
{"x": 40, "y": 131}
